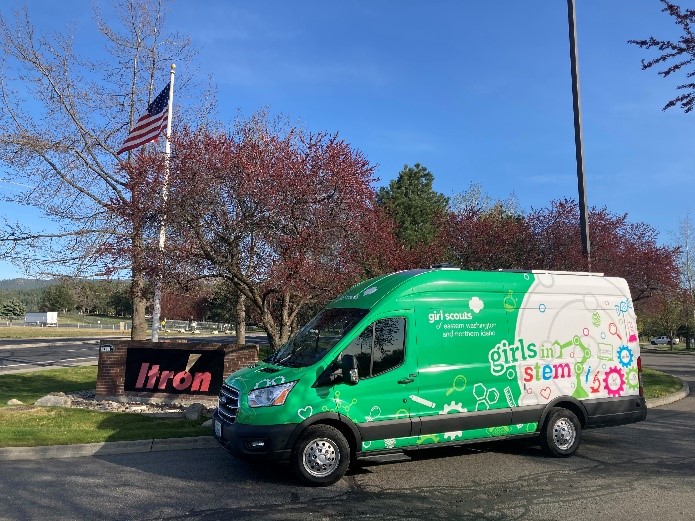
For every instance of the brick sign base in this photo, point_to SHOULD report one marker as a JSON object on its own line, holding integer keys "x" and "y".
{"x": 163, "y": 384}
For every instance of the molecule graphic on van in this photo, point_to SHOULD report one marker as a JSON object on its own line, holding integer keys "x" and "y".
{"x": 486, "y": 397}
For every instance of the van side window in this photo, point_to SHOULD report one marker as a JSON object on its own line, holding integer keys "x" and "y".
{"x": 380, "y": 347}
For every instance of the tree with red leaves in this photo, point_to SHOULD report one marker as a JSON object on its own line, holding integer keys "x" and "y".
{"x": 489, "y": 238}
{"x": 287, "y": 217}
{"x": 619, "y": 248}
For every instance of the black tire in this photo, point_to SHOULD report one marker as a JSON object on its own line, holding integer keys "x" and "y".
{"x": 561, "y": 432}
{"x": 321, "y": 456}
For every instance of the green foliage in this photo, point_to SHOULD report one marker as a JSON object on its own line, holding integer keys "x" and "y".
{"x": 221, "y": 305}
{"x": 57, "y": 298}
{"x": 29, "y": 297}
{"x": 121, "y": 301}
{"x": 668, "y": 315}
{"x": 88, "y": 296}
{"x": 413, "y": 205}
{"x": 12, "y": 310}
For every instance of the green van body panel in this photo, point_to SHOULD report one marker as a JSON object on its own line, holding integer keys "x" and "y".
{"x": 485, "y": 355}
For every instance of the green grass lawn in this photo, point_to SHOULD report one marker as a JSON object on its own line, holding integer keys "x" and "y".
{"x": 38, "y": 426}
{"x": 29, "y": 426}
{"x": 74, "y": 318}
{"x": 29, "y": 387}
{"x": 658, "y": 384}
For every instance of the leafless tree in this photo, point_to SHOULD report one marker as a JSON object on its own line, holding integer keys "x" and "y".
{"x": 675, "y": 56}
{"x": 63, "y": 116}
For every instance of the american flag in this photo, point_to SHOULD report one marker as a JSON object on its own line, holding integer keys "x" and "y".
{"x": 150, "y": 125}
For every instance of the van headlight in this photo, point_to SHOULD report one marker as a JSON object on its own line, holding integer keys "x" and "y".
{"x": 274, "y": 395}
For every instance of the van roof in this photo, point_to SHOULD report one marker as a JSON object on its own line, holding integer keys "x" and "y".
{"x": 368, "y": 293}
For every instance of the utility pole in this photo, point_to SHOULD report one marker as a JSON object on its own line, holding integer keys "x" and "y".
{"x": 579, "y": 152}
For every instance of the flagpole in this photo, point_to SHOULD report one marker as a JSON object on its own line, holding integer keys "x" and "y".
{"x": 157, "y": 307}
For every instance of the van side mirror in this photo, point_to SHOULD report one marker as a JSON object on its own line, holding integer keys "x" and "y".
{"x": 331, "y": 375}
{"x": 350, "y": 373}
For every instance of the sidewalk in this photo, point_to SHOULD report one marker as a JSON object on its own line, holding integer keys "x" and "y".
{"x": 200, "y": 442}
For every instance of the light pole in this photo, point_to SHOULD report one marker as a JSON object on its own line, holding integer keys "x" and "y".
{"x": 579, "y": 152}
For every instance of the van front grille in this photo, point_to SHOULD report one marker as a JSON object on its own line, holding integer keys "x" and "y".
{"x": 228, "y": 403}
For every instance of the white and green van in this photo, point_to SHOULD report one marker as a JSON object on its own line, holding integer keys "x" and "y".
{"x": 440, "y": 357}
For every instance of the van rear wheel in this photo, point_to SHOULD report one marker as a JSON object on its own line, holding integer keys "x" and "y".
{"x": 560, "y": 433}
{"x": 321, "y": 456}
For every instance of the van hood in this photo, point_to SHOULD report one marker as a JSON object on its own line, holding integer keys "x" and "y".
{"x": 263, "y": 375}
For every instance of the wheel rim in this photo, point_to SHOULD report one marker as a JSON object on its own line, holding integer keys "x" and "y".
{"x": 564, "y": 434}
{"x": 321, "y": 457}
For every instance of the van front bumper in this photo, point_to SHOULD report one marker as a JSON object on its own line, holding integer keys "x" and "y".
{"x": 254, "y": 442}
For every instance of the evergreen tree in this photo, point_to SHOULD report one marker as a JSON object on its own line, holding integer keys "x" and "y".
{"x": 13, "y": 309}
{"x": 57, "y": 298}
{"x": 121, "y": 301}
{"x": 413, "y": 205}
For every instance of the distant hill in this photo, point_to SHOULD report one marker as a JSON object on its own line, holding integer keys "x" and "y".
{"x": 25, "y": 284}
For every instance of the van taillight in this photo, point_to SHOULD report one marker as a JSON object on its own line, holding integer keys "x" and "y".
{"x": 639, "y": 375}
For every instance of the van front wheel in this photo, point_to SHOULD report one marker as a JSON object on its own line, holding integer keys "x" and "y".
{"x": 321, "y": 456}
{"x": 561, "y": 432}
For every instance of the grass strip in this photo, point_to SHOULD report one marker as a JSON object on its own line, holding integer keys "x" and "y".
{"x": 40, "y": 426}
{"x": 658, "y": 384}
{"x": 37, "y": 333}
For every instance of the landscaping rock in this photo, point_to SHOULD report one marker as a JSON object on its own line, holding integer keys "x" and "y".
{"x": 87, "y": 400}
{"x": 194, "y": 411}
{"x": 54, "y": 400}
{"x": 14, "y": 401}
{"x": 208, "y": 423}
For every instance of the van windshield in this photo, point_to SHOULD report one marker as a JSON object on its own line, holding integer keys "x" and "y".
{"x": 318, "y": 337}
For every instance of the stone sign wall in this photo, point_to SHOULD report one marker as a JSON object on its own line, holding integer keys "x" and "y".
{"x": 167, "y": 372}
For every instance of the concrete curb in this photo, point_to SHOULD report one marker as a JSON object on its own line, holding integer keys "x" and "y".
{"x": 106, "y": 448}
{"x": 658, "y": 402}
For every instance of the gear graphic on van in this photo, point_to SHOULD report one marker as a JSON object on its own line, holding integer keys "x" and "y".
{"x": 449, "y": 408}
{"x": 453, "y": 406}
{"x": 614, "y": 381}
{"x": 625, "y": 356}
{"x": 632, "y": 379}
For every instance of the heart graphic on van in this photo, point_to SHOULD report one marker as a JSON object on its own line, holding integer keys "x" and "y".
{"x": 305, "y": 412}
{"x": 545, "y": 393}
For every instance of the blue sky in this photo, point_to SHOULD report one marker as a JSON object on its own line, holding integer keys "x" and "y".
{"x": 478, "y": 92}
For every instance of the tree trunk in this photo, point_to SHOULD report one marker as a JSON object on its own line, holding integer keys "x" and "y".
{"x": 286, "y": 323}
{"x": 241, "y": 319}
{"x": 139, "y": 323}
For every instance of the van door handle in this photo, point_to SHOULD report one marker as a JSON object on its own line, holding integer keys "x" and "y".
{"x": 409, "y": 380}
